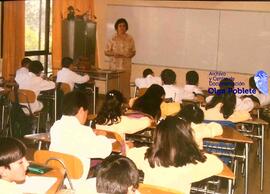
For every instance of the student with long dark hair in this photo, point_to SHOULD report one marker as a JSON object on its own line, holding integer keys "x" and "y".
{"x": 193, "y": 114}
{"x": 174, "y": 160}
{"x": 150, "y": 102}
{"x": 225, "y": 105}
{"x": 112, "y": 116}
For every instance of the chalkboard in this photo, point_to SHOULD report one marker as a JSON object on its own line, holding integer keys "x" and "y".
{"x": 233, "y": 41}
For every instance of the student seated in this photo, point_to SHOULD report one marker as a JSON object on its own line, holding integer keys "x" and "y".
{"x": 66, "y": 75}
{"x": 116, "y": 175}
{"x": 191, "y": 88}
{"x": 173, "y": 92}
{"x": 13, "y": 164}
{"x": 224, "y": 105}
{"x": 150, "y": 101}
{"x": 193, "y": 114}
{"x": 35, "y": 83}
{"x": 112, "y": 116}
{"x": 148, "y": 79}
{"x": 174, "y": 160}
{"x": 69, "y": 134}
{"x": 263, "y": 99}
{"x": 23, "y": 70}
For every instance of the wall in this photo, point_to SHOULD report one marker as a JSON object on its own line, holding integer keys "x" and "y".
{"x": 101, "y": 13}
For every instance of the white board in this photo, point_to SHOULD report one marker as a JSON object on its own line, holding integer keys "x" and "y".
{"x": 234, "y": 41}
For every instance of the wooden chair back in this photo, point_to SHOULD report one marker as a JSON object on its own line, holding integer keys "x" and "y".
{"x": 152, "y": 189}
{"x": 64, "y": 87}
{"x": 119, "y": 145}
{"x": 24, "y": 96}
{"x": 73, "y": 164}
{"x": 140, "y": 92}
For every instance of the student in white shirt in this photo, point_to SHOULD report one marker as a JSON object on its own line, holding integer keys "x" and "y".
{"x": 13, "y": 165}
{"x": 168, "y": 78}
{"x": 263, "y": 99}
{"x": 36, "y": 83}
{"x": 148, "y": 79}
{"x": 191, "y": 88}
{"x": 23, "y": 70}
{"x": 69, "y": 134}
{"x": 66, "y": 75}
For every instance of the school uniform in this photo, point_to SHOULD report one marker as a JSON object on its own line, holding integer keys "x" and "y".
{"x": 21, "y": 73}
{"x": 127, "y": 125}
{"x": 9, "y": 187}
{"x": 147, "y": 81}
{"x": 70, "y": 137}
{"x": 177, "y": 178}
{"x": 173, "y": 92}
{"x": 65, "y": 75}
{"x": 189, "y": 90}
{"x": 36, "y": 84}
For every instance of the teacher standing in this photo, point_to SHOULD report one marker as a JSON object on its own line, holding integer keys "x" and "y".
{"x": 121, "y": 48}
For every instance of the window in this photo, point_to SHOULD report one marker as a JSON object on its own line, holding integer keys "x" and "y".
{"x": 38, "y": 25}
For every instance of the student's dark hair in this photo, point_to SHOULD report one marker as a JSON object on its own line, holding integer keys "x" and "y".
{"x": 252, "y": 83}
{"x": 119, "y": 21}
{"x": 111, "y": 110}
{"x": 73, "y": 101}
{"x": 116, "y": 174}
{"x": 226, "y": 84}
{"x": 168, "y": 76}
{"x": 174, "y": 144}
{"x": 147, "y": 72}
{"x": 66, "y": 62}
{"x": 149, "y": 103}
{"x": 11, "y": 150}
{"x": 224, "y": 96}
{"x": 191, "y": 113}
{"x": 25, "y": 62}
{"x": 192, "y": 78}
{"x": 35, "y": 67}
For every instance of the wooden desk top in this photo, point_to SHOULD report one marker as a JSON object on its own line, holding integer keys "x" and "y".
{"x": 45, "y": 137}
{"x": 232, "y": 135}
{"x": 53, "y": 173}
{"x": 226, "y": 173}
{"x": 255, "y": 121}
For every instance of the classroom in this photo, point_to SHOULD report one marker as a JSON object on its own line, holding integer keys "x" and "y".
{"x": 134, "y": 96}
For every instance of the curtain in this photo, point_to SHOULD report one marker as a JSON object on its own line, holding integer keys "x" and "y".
{"x": 60, "y": 12}
{"x": 13, "y": 37}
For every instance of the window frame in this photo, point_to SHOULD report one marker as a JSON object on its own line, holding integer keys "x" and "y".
{"x": 46, "y": 52}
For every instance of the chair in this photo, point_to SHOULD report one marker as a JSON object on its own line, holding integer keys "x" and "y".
{"x": 27, "y": 97}
{"x": 72, "y": 165}
{"x": 152, "y": 189}
{"x": 140, "y": 91}
{"x": 64, "y": 87}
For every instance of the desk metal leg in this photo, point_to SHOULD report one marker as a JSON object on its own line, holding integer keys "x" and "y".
{"x": 262, "y": 156}
{"x": 246, "y": 167}
{"x": 94, "y": 100}
{"x": 3, "y": 117}
{"x": 39, "y": 145}
{"x": 107, "y": 80}
{"x": 55, "y": 104}
{"x": 229, "y": 186}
